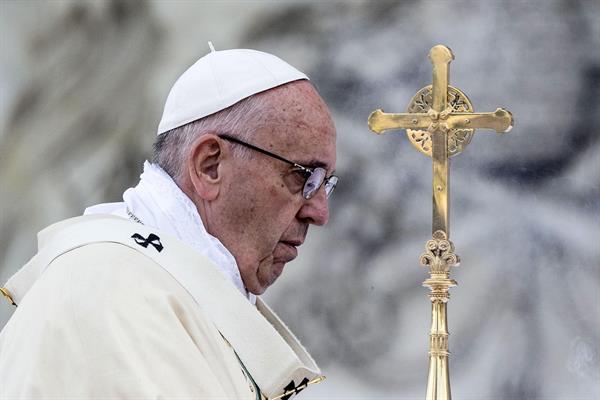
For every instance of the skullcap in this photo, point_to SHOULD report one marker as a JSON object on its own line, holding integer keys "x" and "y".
{"x": 219, "y": 80}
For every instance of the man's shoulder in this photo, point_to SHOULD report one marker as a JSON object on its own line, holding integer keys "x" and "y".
{"x": 47, "y": 235}
{"x": 108, "y": 265}
{"x": 105, "y": 307}
{"x": 99, "y": 267}
{"x": 100, "y": 245}
{"x": 95, "y": 268}
{"x": 106, "y": 277}
{"x": 109, "y": 289}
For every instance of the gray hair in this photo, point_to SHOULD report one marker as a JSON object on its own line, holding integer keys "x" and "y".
{"x": 172, "y": 148}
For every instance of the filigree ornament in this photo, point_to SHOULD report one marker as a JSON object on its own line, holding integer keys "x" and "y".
{"x": 439, "y": 255}
{"x": 458, "y": 139}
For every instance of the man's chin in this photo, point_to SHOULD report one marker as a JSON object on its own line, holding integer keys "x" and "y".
{"x": 275, "y": 271}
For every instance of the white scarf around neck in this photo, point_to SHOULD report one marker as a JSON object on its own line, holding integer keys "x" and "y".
{"x": 159, "y": 203}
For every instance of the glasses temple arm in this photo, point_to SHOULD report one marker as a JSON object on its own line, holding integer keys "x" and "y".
{"x": 268, "y": 153}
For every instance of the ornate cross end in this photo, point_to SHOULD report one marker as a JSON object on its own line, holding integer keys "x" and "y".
{"x": 440, "y": 57}
{"x": 500, "y": 120}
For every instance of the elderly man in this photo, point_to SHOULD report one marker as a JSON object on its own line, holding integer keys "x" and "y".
{"x": 155, "y": 297}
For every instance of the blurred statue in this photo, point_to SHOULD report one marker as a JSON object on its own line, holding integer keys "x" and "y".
{"x": 156, "y": 296}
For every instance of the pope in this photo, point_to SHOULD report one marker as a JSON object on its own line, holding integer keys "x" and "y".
{"x": 157, "y": 296}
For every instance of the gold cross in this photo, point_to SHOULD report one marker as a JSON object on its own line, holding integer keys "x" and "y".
{"x": 440, "y": 122}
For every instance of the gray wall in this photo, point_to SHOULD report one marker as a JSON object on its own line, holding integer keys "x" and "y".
{"x": 82, "y": 86}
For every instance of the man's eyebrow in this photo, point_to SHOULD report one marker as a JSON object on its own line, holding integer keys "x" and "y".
{"x": 314, "y": 164}
{"x": 317, "y": 164}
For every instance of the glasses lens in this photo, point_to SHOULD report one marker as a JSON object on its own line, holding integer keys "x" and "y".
{"x": 330, "y": 185}
{"x": 313, "y": 183}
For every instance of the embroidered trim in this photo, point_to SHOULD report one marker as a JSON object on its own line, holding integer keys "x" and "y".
{"x": 133, "y": 217}
{"x": 254, "y": 387}
{"x": 144, "y": 242}
{"x": 291, "y": 389}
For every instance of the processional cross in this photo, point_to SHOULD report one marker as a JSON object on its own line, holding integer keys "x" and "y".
{"x": 440, "y": 123}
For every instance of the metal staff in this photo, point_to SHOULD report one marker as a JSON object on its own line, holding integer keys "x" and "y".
{"x": 440, "y": 123}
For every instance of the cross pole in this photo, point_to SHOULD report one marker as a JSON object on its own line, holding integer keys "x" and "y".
{"x": 440, "y": 122}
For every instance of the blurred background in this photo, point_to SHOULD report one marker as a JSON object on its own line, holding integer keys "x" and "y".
{"x": 82, "y": 85}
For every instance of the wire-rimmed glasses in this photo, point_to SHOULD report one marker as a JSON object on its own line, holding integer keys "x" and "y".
{"x": 314, "y": 177}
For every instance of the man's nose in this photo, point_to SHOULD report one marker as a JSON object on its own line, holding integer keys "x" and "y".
{"x": 315, "y": 210}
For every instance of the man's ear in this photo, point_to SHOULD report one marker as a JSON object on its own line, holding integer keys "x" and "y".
{"x": 204, "y": 166}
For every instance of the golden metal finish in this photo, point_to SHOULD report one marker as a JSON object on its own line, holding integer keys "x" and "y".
{"x": 440, "y": 123}
{"x": 439, "y": 257}
{"x": 440, "y": 128}
{"x": 8, "y": 296}
{"x": 458, "y": 139}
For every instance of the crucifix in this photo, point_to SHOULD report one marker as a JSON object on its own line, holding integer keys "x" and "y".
{"x": 440, "y": 123}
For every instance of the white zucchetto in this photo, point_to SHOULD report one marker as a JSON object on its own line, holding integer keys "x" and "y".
{"x": 219, "y": 80}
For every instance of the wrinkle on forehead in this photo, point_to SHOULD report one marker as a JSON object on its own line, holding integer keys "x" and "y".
{"x": 296, "y": 106}
{"x": 295, "y": 123}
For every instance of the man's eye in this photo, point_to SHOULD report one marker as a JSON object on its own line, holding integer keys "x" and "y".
{"x": 299, "y": 176}
{"x": 302, "y": 174}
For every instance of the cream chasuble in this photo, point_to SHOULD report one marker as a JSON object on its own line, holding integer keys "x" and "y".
{"x": 109, "y": 308}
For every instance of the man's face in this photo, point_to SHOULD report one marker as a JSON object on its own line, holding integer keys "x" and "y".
{"x": 265, "y": 217}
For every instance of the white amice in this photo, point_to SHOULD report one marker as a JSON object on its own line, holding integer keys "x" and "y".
{"x": 159, "y": 203}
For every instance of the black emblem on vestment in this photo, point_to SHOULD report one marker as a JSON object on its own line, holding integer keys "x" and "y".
{"x": 296, "y": 389}
{"x": 152, "y": 239}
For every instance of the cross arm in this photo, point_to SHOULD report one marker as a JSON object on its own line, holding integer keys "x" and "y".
{"x": 379, "y": 121}
{"x": 500, "y": 120}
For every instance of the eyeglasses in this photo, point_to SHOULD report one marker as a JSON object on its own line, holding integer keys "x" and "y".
{"x": 314, "y": 177}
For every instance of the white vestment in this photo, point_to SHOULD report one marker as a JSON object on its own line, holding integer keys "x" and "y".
{"x": 109, "y": 308}
{"x": 158, "y": 202}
